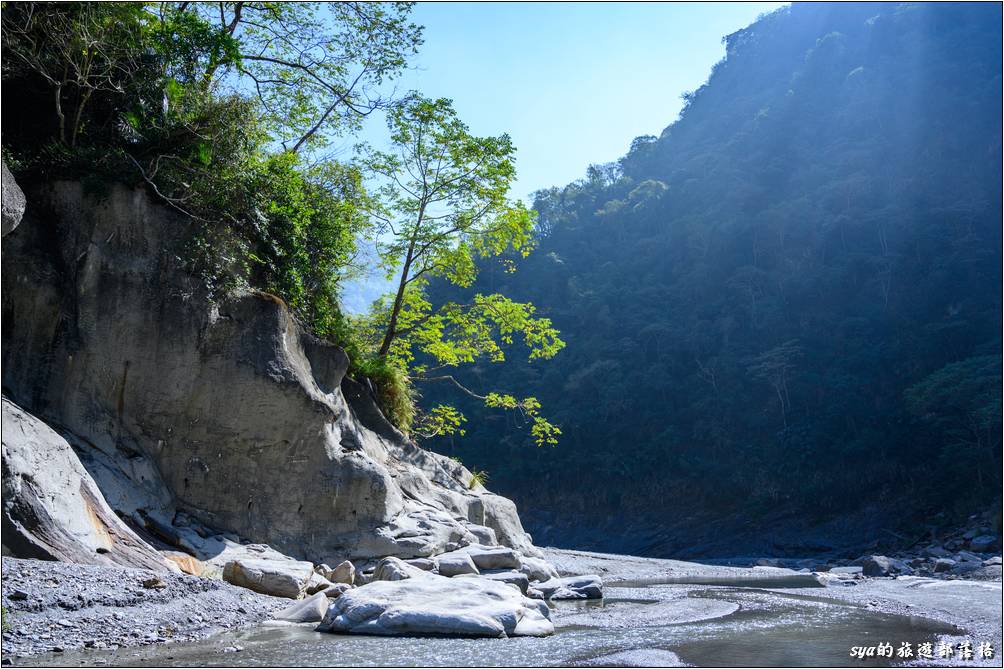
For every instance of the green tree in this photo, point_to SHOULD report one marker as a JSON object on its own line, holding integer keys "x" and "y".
{"x": 962, "y": 401}
{"x": 217, "y": 108}
{"x": 314, "y": 67}
{"x": 443, "y": 205}
{"x": 78, "y": 50}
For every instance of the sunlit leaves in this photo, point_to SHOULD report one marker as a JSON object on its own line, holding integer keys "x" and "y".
{"x": 441, "y": 420}
{"x": 443, "y": 204}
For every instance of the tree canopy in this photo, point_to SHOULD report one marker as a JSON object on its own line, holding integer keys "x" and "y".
{"x": 442, "y": 206}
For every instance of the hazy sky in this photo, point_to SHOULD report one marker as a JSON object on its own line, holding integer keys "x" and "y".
{"x": 572, "y": 83}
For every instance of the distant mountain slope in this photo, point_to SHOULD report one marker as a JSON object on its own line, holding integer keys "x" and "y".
{"x": 791, "y": 299}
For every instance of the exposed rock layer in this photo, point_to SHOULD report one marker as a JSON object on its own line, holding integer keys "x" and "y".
{"x": 52, "y": 508}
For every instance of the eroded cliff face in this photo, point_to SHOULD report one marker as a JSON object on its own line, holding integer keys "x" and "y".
{"x": 230, "y": 413}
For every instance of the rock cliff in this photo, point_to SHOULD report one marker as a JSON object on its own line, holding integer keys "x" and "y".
{"x": 228, "y": 417}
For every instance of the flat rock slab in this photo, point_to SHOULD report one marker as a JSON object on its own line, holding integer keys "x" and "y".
{"x": 493, "y": 557}
{"x": 279, "y": 578}
{"x": 517, "y": 579}
{"x": 455, "y": 564}
{"x": 438, "y": 606}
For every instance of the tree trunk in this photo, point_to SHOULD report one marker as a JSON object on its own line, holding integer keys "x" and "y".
{"x": 388, "y": 337}
{"x": 59, "y": 113}
{"x": 75, "y": 130}
{"x": 409, "y": 258}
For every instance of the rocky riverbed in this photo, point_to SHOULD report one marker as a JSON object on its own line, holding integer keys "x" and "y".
{"x": 654, "y": 612}
{"x": 56, "y": 607}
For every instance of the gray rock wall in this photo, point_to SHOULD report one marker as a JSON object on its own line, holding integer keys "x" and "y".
{"x": 52, "y": 509}
{"x": 231, "y": 413}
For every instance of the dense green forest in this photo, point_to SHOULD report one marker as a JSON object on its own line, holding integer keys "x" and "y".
{"x": 791, "y": 298}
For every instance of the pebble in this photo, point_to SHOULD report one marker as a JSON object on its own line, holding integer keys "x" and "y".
{"x": 106, "y": 607}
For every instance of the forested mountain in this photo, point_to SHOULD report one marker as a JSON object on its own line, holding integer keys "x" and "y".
{"x": 790, "y": 299}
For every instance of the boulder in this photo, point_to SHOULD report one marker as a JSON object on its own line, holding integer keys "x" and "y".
{"x": 942, "y": 565}
{"x": 309, "y": 610}
{"x": 483, "y": 535}
{"x": 394, "y": 569}
{"x": 961, "y": 568}
{"x": 572, "y": 587}
{"x": 538, "y": 569}
{"x": 995, "y": 560}
{"x": 12, "y": 201}
{"x": 52, "y": 508}
{"x": 424, "y": 564}
{"x": 936, "y": 551}
{"x": 436, "y": 605}
{"x": 455, "y": 564}
{"x": 880, "y": 565}
{"x": 966, "y": 556}
{"x": 317, "y": 583}
{"x": 516, "y": 578}
{"x": 279, "y": 578}
{"x": 345, "y": 572}
{"x": 852, "y": 570}
{"x": 187, "y": 563}
{"x": 985, "y": 543}
{"x": 337, "y": 590}
{"x": 493, "y": 557}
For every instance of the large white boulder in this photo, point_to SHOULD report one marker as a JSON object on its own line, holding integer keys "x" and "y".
{"x": 435, "y": 605}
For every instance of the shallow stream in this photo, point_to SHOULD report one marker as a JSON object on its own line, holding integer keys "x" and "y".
{"x": 649, "y": 625}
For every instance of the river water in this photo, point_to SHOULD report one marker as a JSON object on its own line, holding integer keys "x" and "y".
{"x": 646, "y": 625}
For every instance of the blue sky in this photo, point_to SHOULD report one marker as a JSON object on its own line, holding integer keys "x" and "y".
{"x": 572, "y": 83}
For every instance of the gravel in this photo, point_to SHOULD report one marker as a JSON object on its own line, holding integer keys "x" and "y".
{"x": 58, "y": 606}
